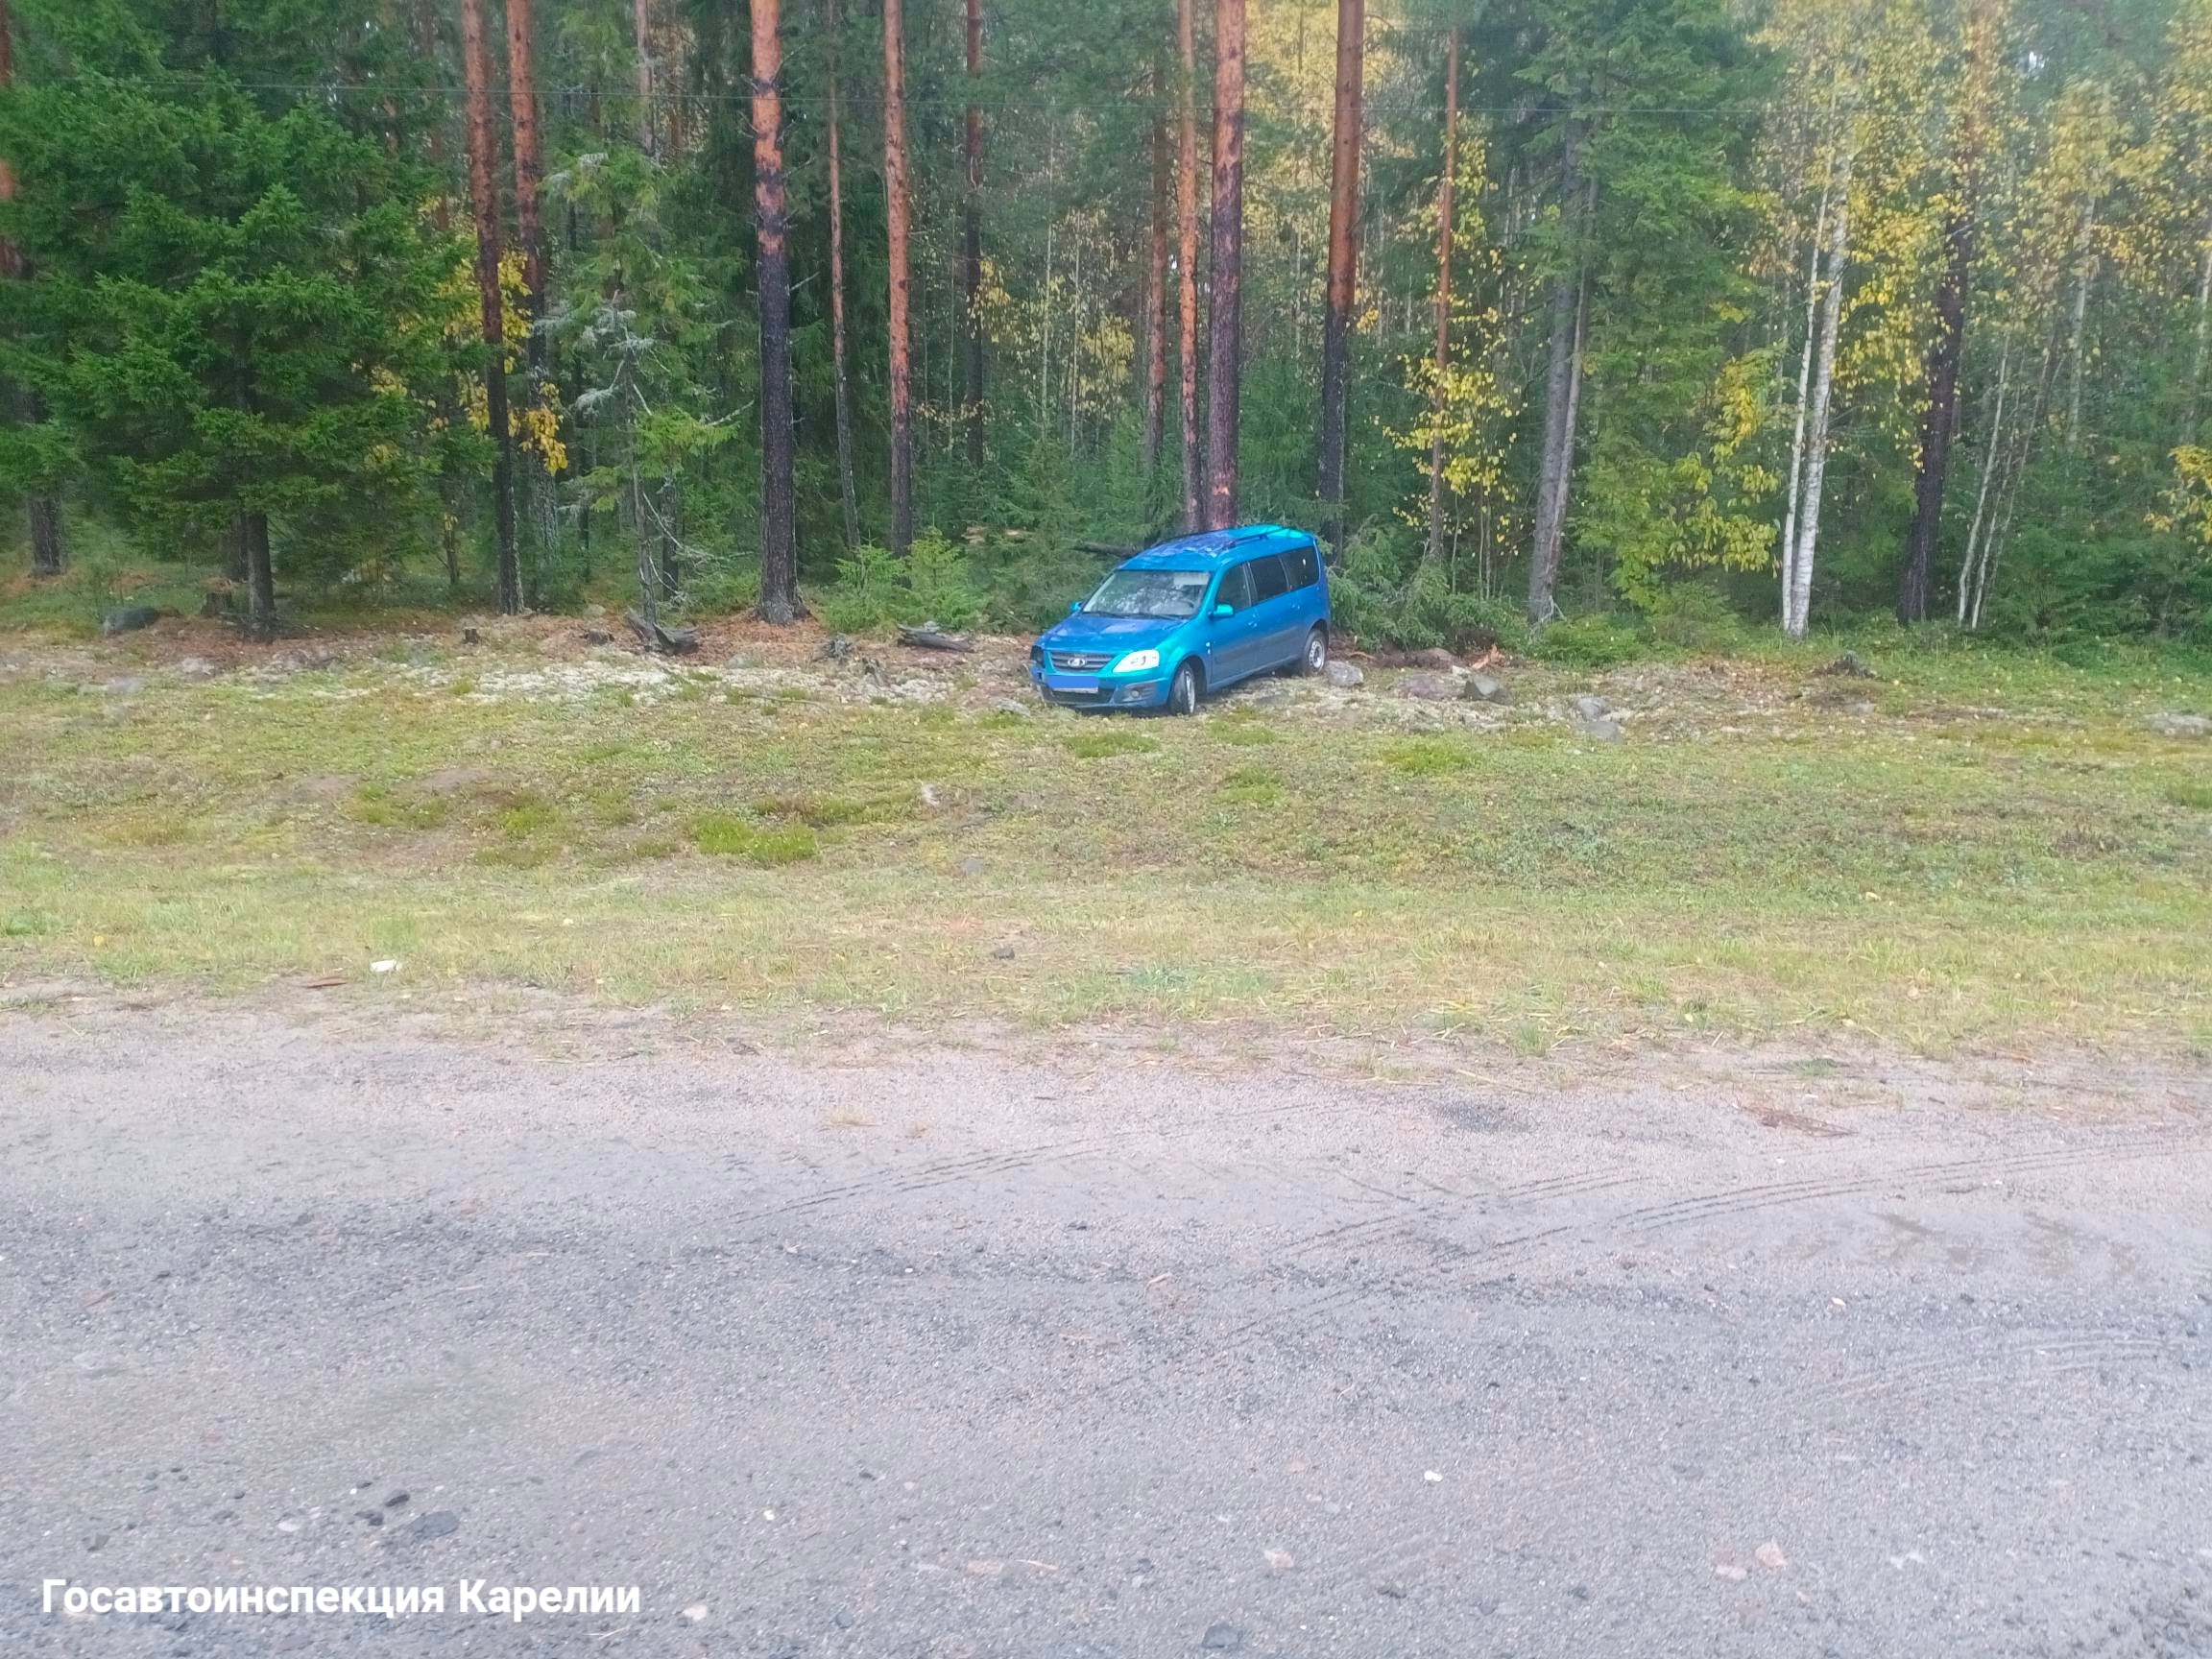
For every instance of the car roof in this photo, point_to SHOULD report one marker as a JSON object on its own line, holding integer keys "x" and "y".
{"x": 1211, "y": 549}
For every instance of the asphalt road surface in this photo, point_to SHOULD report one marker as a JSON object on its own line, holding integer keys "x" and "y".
{"x": 1094, "y": 1352}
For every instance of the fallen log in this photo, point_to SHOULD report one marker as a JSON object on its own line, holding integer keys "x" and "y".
{"x": 655, "y": 637}
{"x": 931, "y": 637}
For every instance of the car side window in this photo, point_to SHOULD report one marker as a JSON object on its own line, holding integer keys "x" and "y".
{"x": 1302, "y": 565}
{"x": 1267, "y": 577}
{"x": 1235, "y": 590}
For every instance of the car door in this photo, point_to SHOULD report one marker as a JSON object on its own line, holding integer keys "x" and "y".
{"x": 1232, "y": 651}
{"x": 1276, "y": 636}
{"x": 1309, "y": 600}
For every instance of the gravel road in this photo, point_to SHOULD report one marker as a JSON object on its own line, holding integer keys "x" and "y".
{"x": 1050, "y": 1350}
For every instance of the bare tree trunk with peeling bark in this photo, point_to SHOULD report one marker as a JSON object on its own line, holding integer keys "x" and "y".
{"x": 899, "y": 203}
{"x": 1804, "y": 396}
{"x": 484, "y": 202}
{"x": 971, "y": 243}
{"x": 1225, "y": 345}
{"x": 1561, "y": 399}
{"x": 848, "y": 495}
{"x": 1187, "y": 258}
{"x": 1445, "y": 211}
{"x": 1798, "y": 601}
{"x": 779, "y": 552}
{"x": 1343, "y": 255}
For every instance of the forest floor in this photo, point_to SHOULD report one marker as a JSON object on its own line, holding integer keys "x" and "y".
{"x": 1923, "y": 852}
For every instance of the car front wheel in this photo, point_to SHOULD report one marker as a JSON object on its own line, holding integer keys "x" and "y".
{"x": 1316, "y": 658}
{"x": 1183, "y": 690}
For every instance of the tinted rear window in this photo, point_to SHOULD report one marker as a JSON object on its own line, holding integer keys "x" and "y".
{"x": 1302, "y": 565}
{"x": 1267, "y": 577}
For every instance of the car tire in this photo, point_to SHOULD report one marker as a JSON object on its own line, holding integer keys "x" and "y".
{"x": 1183, "y": 690}
{"x": 1314, "y": 659}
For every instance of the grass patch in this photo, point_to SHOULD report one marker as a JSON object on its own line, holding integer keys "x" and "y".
{"x": 1250, "y": 787}
{"x": 731, "y": 837}
{"x": 828, "y": 811}
{"x": 1429, "y": 757}
{"x": 2193, "y": 795}
{"x": 1099, "y": 745}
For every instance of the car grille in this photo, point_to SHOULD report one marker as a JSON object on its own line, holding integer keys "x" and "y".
{"x": 1081, "y": 662}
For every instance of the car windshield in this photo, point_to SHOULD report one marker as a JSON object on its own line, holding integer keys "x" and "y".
{"x": 1167, "y": 595}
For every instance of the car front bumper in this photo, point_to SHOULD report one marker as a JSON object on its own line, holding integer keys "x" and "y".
{"x": 1098, "y": 691}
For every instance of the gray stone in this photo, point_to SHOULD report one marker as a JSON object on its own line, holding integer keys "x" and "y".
{"x": 1344, "y": 676}
{"x": 1603, "y": 729}
{"x": 1009, "y": 705}
{"x": 2181, "y": 725}
{"x": 1482, "y": 688}
{"x": 1223, "y": 1638}
{"x": 438, "y": 1524}
{"x": 123, "y": 618}
{"x": 1589, "y": 708}
{"x": 1429, "y": 688}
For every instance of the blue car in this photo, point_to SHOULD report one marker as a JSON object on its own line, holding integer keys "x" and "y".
{"x": 1188, "y": 617}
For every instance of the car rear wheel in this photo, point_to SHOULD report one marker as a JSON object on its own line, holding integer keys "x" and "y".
{"x": 1183, "y": 690}
{"x": 1316, "y": 658}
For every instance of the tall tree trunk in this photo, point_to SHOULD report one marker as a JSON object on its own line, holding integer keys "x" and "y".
{"x": 2204, "y": 340}
{"x": 641, "y": 24}
{"x": 971, "y": 244}
{"x": 779, "y": 553}
{"x": 1156, "y": 308}
{"x": 253, "y": 540}
{"x": 1939, "y": 424}
{"x": 1446, "y": 212}
{"x": 1798, "y": 601}
{"x": 1187, "y": 258}
{"x": 529, "y": 158}
{"x": 848, "y": 495}
{"x": 484, "y": 201}
{"x": 2081, "y": 283}
{"x": 1803, "y": 396}
{"x": 534, "y": 483}
{"x": 423, "y": 32}
{"x": 900, "y": 212}
{"x": 1976, "y": 543}
{"x": 1225, "y": 346}
{"x": 49, "y": 553}
{"x": 1560, "y": 398}
{"x": 1344, "y": 252}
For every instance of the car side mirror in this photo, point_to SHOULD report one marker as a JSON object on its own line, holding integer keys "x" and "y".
{"x": 1075, "y": 606}
{"x": 1224, "y": 609}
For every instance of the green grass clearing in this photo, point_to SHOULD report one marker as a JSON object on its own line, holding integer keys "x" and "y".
{"x": 1982, "y": 861}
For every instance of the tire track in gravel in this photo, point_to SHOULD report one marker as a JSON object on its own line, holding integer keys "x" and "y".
{"x": 1648, "y": 1219}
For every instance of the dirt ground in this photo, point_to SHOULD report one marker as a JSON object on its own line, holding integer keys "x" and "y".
{"x": 840, "y": 1344}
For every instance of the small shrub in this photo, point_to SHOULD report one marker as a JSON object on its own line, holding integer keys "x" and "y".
{"x": 1587, "y": 642}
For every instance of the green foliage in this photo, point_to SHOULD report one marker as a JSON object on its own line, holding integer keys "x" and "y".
{"x": 1383, "y": 594}
{"x": 236, "y": 310}
{"x": 1595, "y": 641}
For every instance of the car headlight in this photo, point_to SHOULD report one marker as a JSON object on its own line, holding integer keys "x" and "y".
{"x": 1133, "y": 660}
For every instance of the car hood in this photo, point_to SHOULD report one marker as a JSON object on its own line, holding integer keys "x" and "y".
{"x": 1085, "y": 633}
